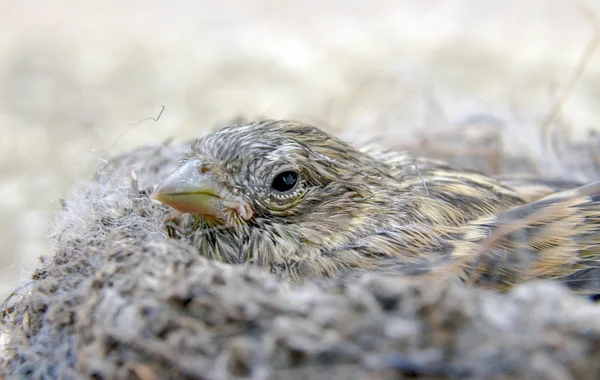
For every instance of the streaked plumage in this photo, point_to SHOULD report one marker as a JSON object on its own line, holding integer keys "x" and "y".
{"x": 375, "y": 209}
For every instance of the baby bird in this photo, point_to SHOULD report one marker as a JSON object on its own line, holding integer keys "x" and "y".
{"x": 289, "y": 197}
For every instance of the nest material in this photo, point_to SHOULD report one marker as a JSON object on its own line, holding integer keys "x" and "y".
{"x": 119, "y": 299}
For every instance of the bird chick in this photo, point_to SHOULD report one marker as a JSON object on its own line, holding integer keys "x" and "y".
{"x": 290, "y": 197}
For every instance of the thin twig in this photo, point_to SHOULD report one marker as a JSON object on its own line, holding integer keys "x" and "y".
{"x": 564, "y": 92}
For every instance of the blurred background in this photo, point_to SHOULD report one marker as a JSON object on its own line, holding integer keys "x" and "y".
{"x": 80, "y": 81}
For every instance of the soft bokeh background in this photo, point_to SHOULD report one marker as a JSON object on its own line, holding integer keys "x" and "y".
{"x": 81, "y": 80}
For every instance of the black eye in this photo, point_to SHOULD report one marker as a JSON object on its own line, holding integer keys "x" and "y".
{"x": 285, "y": 181}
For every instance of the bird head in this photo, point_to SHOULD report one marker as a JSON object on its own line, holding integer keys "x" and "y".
{"x": 265, "y": 170}
{"x": 279, "y": 193}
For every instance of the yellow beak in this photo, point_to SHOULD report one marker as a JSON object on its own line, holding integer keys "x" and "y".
{"x": 189, "y": 191}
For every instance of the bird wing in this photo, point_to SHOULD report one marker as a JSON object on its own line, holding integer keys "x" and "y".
{"x": 556, "y": 237}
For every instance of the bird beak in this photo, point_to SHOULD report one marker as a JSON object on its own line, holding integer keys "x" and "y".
{"x": 188, "y": 190}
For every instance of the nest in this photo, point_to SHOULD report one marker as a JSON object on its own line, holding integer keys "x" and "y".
{"x": 119, "y": 299}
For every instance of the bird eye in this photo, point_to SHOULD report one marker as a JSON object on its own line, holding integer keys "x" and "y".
{"x": 285, "y": 181}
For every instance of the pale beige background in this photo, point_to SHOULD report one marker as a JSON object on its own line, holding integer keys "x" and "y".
{"x": 77, "y": 77}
